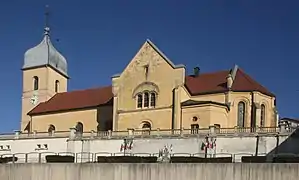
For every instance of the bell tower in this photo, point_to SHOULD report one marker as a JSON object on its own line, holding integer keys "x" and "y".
{"x": 44, "y": 75}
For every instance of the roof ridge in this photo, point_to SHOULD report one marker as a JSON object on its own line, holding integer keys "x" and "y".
{"x": 252, "y": 81}
{"x": 80, "y": 90}
{"x": 209, "y": 73}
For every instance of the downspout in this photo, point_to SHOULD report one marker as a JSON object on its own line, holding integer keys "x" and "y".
{"x": 29, "y": 132}
{"x": 181, "y": 119}
{"x": 173, "y": 109}
{"x": 253, "y": 118}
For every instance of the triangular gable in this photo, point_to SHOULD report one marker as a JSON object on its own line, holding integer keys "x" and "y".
{"x": 156, "y": 49}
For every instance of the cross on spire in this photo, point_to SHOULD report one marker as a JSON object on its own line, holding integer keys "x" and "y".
{"x": 47, "y": 14}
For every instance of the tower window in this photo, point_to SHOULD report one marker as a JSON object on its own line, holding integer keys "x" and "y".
{"x": 153, "y": 99}
{"x": 139, "y": 101}
{"x": 56, "y": 86}
{"x": 263, "y": 115}
{"x": 241, "y": 114}
{"x": 146, "y": 99}
{"x": 35, "y": 83}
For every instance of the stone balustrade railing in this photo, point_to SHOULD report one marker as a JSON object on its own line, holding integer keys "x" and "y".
{"x": 140, "y": 133}
{"x": 83, "y": 157}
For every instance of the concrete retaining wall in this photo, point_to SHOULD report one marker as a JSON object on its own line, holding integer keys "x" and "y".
{"x": 235, "y": 171}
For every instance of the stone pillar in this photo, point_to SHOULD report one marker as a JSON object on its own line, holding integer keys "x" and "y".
{"x": 17, "y": 134}
{"x": 158, "y": 131}
{"x": 115, "y": 91}
{"x": 34, "y": 133}
{"x": 283, "y": 128}
{"x": 115, "y": 113}
{"x": 177, "y": 109}
{"x": 258, "y": 115}
{"x": 109, "y": 134}
{"x": 52, "y": 133}
{"x": 92, "y": 134}
{"x": 130, "y": 132}
{"x": 72, "y": 133}
{"x": 212, "y": 130}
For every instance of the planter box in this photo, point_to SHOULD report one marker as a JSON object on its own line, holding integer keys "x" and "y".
{"x": 8, "y": 159}
{"x": 60, "y": 159}
{"x": 183, "y": 159}
{"x": 126, "y": 159}
{"x": 254, "y": 159}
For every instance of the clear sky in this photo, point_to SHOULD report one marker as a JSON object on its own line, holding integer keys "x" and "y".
{"x": 99, "y": 38}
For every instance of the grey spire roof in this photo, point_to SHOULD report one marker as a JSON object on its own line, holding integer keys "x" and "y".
{"x": 45, "y": 54}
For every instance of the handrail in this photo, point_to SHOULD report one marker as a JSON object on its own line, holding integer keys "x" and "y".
{"x": 147, "y": 133}
{"x": 83, "y": 157}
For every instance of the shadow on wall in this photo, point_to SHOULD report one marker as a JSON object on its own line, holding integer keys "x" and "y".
{"x": 290, "y": 146}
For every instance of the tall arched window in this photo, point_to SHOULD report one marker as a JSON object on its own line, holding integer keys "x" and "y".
{"x": 35, "y": 83}
{"x": 146, "y": 99}
{"x": 139, "y": 101}
{"x": 263, "y": 115}
{"x": 56, "y": 86}
{"x": 153, "y": 99}
{"x": 241, "y": 114}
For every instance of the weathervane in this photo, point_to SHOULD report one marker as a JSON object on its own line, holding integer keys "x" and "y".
{"x": 47, "y": 14}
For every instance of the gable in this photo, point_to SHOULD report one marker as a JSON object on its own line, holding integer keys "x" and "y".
{"x": 149, "y": 53}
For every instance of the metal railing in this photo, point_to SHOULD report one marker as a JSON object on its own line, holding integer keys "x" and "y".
{"x": 152, "y": 133}
{"x": 85, "y": 157}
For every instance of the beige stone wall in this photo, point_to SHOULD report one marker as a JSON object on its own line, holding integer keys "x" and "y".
{"x": 234, "y": 98}
{"x": 65, "y": 121}
{"x": 158, "y": 118}
{"x": 166, "y": 78}
{"x": 207, "y": 115}
{"x": 162, "y": 76}
{"x": 47, "y": 77}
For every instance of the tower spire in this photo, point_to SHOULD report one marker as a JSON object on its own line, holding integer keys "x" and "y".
{"x": 47, "y": 28}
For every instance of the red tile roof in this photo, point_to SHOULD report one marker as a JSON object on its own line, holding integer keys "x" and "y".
{"x": 206, "y": 83}
{"x": 75, "y": 100}
{"x": 216, "y": 82}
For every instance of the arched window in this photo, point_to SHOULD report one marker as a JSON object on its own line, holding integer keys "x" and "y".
{"x": 35, "y": 83}
{"x": 56, "y": 86}
{"x": 241, "y": 114}
{"x": 146, "y": 125}
{"x": 139, "y": 101}
{"x": 263, "y": 115}
{"x": 79, "y": 127}
{"x": 153, "y": 99}
{"x": 51, "y": 129}
{"x": 146, "y": 99}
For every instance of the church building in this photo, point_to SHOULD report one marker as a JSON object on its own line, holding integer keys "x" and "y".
{"x": 150, "y": 93}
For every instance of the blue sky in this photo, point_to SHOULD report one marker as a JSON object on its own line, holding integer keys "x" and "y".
{"x": 99, "y": 38}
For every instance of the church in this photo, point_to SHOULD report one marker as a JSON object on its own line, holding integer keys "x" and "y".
{"x": 150, "y": 93}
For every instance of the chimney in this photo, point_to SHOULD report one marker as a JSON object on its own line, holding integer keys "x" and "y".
{"x": 196, "y": 71}
{"x": 229, "y": 81}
